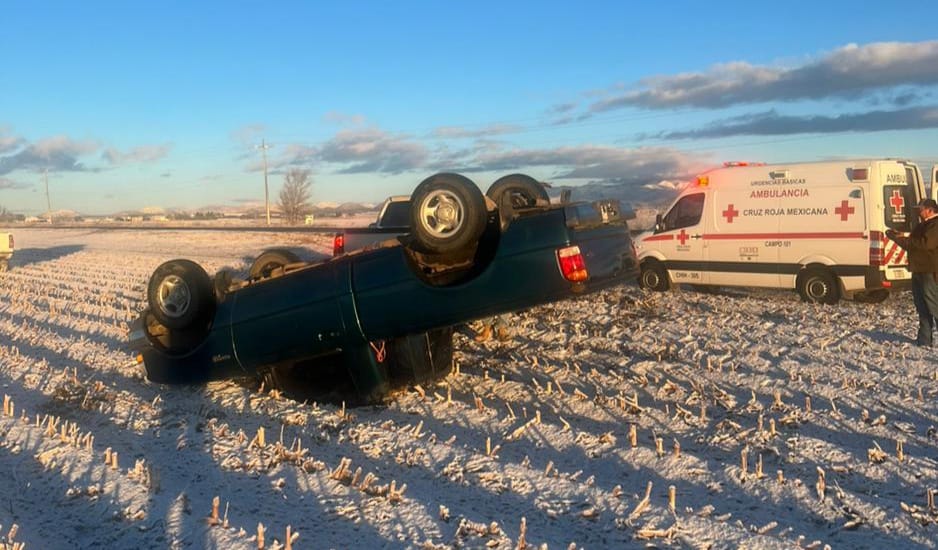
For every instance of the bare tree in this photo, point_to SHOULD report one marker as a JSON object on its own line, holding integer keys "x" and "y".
{"x": 295, "y": 195}
{"x": 6, "y": 215}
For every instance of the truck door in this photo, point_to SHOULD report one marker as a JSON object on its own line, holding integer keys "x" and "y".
{"x": 680, "y": 239}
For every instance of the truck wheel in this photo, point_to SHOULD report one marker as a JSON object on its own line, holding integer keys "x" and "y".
{"x": 421, "y": 358}
{"x": 271, "y": 260}
{"x": 654, "y": 276}
{"x": 522, "y": 190}
{"x": 180, "y": 294}
{"x": 447, "y": 214}
{"x": 818, "y": 286}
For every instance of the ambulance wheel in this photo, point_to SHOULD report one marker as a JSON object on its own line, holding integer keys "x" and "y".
{"x": 818, "y": 286}
{"x": 654, "y": 276}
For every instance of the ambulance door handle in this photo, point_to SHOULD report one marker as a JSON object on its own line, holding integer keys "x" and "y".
{"x": 695, "y": 236}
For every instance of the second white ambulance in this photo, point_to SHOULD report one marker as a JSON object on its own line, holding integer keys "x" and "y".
{"x": 815, "y": 227}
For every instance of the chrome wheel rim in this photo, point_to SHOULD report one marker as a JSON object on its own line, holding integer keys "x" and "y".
{"x": 442, "y": 214}
{"x": 173, "y": 296}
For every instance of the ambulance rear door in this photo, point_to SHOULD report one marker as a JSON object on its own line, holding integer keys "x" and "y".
{"x": 679, "y": 238}
{"x": 900, "y": 193}
{"x": 742, "y": 245}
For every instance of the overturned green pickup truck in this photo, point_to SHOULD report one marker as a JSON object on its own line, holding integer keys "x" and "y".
{"x": 384, "y": 315}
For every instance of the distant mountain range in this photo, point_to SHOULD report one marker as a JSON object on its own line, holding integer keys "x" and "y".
{"x": 645, "y": 200}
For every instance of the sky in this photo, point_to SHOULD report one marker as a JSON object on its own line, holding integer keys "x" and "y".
{"x": 136, "y": 106}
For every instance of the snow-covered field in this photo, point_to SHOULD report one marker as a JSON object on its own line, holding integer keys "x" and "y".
{"x": 624, "y": 419}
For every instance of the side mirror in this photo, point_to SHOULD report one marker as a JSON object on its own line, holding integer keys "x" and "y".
{"x": 659, "y": 225}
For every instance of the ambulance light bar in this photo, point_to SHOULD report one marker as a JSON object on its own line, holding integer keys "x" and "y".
{"x": 703, "y": 181}
{"x": 738, "y": 163}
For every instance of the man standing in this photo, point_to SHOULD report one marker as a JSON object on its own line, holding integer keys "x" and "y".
{"x": 922, "y": 246}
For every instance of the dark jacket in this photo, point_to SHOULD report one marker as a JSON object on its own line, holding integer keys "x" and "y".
{"x": 922, "y": 246}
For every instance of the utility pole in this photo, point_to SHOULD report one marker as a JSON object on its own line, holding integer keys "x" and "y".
{"x": 45, "y": 173}
{"x": 264, "y": 147}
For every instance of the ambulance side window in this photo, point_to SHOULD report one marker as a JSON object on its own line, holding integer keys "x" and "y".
{"x": 685, "y": 213}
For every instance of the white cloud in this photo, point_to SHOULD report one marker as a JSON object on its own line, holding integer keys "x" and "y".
{"x": 56, "y": 154}
{"x": 144, "y": 153}
{"x": 373, "y": 150}
{"x": 850, "y": 71}
{"x": 457, "y": 132}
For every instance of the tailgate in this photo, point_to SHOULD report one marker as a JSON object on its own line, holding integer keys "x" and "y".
{"x": 602, "y": 233}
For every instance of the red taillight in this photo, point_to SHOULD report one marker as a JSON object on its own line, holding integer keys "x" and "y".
{"x": 572, "y": 265}
{"x": 876, "y": 249}
{"x": 338, "y": 244}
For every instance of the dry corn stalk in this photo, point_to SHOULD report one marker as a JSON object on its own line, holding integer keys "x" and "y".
{"x": 642, "y": 505}
{"x": 522, "y": 544}
{"x": 821, "y": 484}
{"x": 213, "y": 519}
{"x": 876, "y": 455}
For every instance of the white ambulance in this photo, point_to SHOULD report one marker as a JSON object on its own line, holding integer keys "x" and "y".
{"x": 816, "y": 227}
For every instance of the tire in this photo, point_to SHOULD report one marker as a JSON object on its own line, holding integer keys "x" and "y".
{"x": 270, "y": 260}
{"x": 522, "y": 190}
{"x": 654, "y": 276}
{"x": 181, "y": 295}
{"x": 447, "y": 214}
{"x": 818, "y": 286}
{"x": 421, "y": 358}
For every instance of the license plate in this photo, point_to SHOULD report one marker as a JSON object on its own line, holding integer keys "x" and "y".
{"x": 894, "y": 274}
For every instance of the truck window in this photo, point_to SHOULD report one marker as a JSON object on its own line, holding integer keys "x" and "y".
{"x": 685, "y": 212}
{"x": 397, "y": 214}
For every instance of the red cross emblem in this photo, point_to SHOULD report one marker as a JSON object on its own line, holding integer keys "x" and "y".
{"x": 897, "y": 201}
{"x": 844, "y": 210}
{"x": 730, "y": 213}
{"x": 682, "y": 236}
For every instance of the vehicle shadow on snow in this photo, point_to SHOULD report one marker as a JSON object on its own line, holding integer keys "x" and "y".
{"x": 26, "y": 256}
{"x": 882, "y": 337}
{"x": 185, "y": 412}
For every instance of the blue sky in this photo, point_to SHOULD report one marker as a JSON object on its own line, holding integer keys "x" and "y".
{"x": 131, "y": 105}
